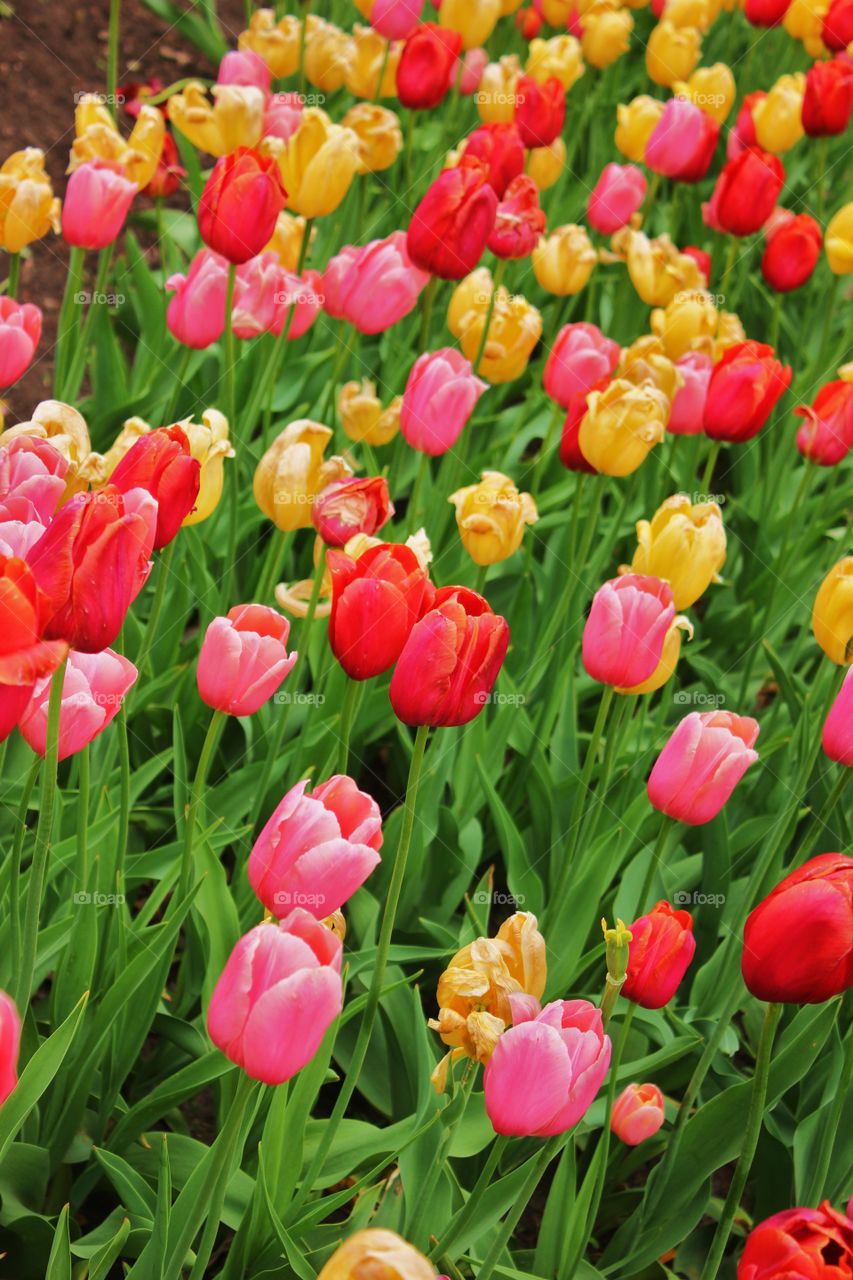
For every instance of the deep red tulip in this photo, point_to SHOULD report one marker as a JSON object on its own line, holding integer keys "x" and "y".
{"x": 744, "y": 386}
{"x": 791, "y": 252}
{"x": 25, "y": 654}
{"x": 828, "y": 99}
{"x": 520, "y": 220}
{"x": 450, "y": 227}
{"x": 743, "y": 133}
{"x": 812, "y": 1244}
{"x": 765, "y": 13}
{"x": 500, "y": 148}
{"x": 240, "y": 203}
{"x": 450, "y": 661}
{"x": 376, "y": 600}
{"x": 427, "y": 65}
{"x": 529, "y": 23}
{"x": 161, "y": 463}
{"x": 838, "y": 25}
{"x": 701, "y": 257}
{"x": 540, "y": 110}
{"x": 746, "y": 192}
{"x": 798, "y": 942}
{"x": 92, "y": 562}
{"x": 826, "y": 436}
{"x": 661, "y": 948}
{"x": 169, "y": 171}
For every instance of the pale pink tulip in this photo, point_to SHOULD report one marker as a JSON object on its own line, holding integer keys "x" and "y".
{"x": 196, "y": 314}
{"x": 20, "y": 330}
{"x": 93, "y": 690}
{"x": 701, "y": 764}
{"x": 686, "y": 416}
{"x": 305, "y": 295}
{"x": 283, "y": 115}
{"x": 580, "y": 357}
{"x": 616, "y": 197}
{"x": 440, "y": 396}
{"x": 637, "y": 1113}
{"x": 474, "y": 64}
{"x": 838, "y": 727}
{"x": 625, "y": 632}
{"x": 244, "y": 67}
{"x": 97, "y": 200}
{"x": 244, "y": 659}
{"x": 31, "y": 486}
{"x": 10, "y": 1045}
{"x": 256, "y": 288}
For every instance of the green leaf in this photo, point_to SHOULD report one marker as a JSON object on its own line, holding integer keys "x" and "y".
{"x": 37, "y": 1075}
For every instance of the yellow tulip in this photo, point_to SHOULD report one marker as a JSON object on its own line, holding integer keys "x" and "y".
{"x": 491, "y": 517}
{"x": 838, "y": 241}
{"x": 832, "y": 618}
{"x": 367, "y": 54}
{"x": 28, "y": 207}
{"x": 293, "y": 471}
{"x": 514, "y": 329}
{"x": 646, "y": 361}
{"x": 668, "y": 660}
{"x": 326, "y": 55}
{"x": 560, "y": 56}
{"x": 545, "y": 165}
{"x": 378, "y": 1254}
{"x": 804, "y": 21}
{"x": 711, "y": 88}
{"x": 66, "y": 430}
{"x": 379, "y": 132}
{"x": 234, "y": 119}
{"x": 475, "y": 20}
{"x": 362, "y": 416}
{"x": 685, "y": 544}
{"x": 729, "y": 331}
{"x": 317, "y": 163}
{"x": 657, "y": 269}
{"x": 605, "y": 33}
{"x": 672, "y": 52}
{"x": 210, "y": 446}
{"x": 622, "y": 424}
{"x": 133, "y": 429}
{"x": 287, "y": 239}
{"x": 497, "y": 90}
{"x": 778, "y": 117}
{"x": 690, "y": 13}
{"x": 276, "y": 42}
{"x": 636, "y": 122}
{"x": 97, "y": 138}
{"x": 688, "y": 323}
{"x": 557, "y": 12}
{"x": 469, "y": 299}
{"x": 563, "y": 261}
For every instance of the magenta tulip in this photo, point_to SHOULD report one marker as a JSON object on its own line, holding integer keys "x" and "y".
{"x": 93, "y": 690}
{"x": 683, "y": 141}
{"x": 580, "y": 357}
{"x": 244, "y": 659}
{"x": 701, "y": 764}
{"x": 637, "y": 1114}
{"x": 440, "y": 396}
{"x": 838, "y": 727}
{"x": 10, "y": 1045}
{"x": 196, "y": 314}
{"x": 616, "y": 197}
{"x": 625, "y": 632}
{"x": 97, "y": 201}
{"x": 395, "y": 19}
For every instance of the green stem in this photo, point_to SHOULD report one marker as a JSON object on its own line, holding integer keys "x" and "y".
{"x": 17, "y": 850}
{"x": 415, "y": 1229}
{"x": 511, "y": 1221}
{"x": 490, "y": 311}
{"x": 277, "y": 548}
{"x": 821, "y": 822}
{"x": 666, "y": 837}
{"x": 83, "y": 791}
{"x": 211, "y": 741}
{"x": 303, "y": 34}
{"x": 416, "y": 502}
{"x": 150, "y": 632}
{"x": 426, "y": 313}
{"x": 710, "y": 464}
{"x": 730, "y": 262}
{"x": 67, "y": 324}
{"x": 14, "y": 274}
{"x": 546, "y": 447}
{"x": 460, "y": 1221}
{"x": 832, "y": 1124}
{"x": 230, "y": 353}
{"x": 112, "y": 55}
{"x": 75, "y": 374}
{"x": 352, "y": 697}
{"x": 172, "y": 404}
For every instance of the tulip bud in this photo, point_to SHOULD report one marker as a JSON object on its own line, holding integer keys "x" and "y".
{"x": 379, "y": 1254}
{"x": 28, "y": 207}
{"x": 292, "y": 472}
{"x": 662, "y": 946}
{"x": 683, "y": 544}
{"x": 210, "y": 446}
{"x": 441, "y": 392}
{"x": 20, "y": 331}
{"x": 243, "y": 659}
{"x": 705, "y": 758}
{"x": 350, "y": 506}
{"x": 637, "y": 1114}
{"x": 376, "y": 600}
{"x": 745, "y": 384}
{"x": 10, "y": 1045}
{"x": 362, "y": 416}
{"x": 622, "y": 425}
{"x": 428, "y": 64}
{"x": 616, "y": 943}
{"x": 838, "y": 241}
{"x": 491, "y": 517}
{"x": 636, "y": 123}
{"x": 94, "y": 686}
{"x": 563, "y": 261}
{"x": 832, "y": 617}
{"x": 240, "y": 203}
{"x": 540, "y": 110}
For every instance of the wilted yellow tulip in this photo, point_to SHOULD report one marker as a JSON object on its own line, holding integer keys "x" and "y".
{"x": 362, "y": 416}
{"x": 97, "y": 138}
{"x": 605, "y": 32}
{"x": 646, "y": 361}
{"x": 563, "y": 261}
{"x": 234, "y": 119}
{"x": 377, "y": 1254}
{"x": 688, "y": 323}
{"x": 514, "y": 329}
{"x": 711, "y": 88}
{"x": 496, "y": 93}
{"x": 28, "y": 207}
{"x": 672, "y": 52}
{"x": 621, "y": 425}
{"x": 635, "y": 123}
{"x": 367, "y": 54}
{"x": 66, "y": 430}
{"x": 668, "y": 660}
{"x": 475, "y": 20}
{"x": 317, "y": 163}
{"x": 545, "y": 165}
{"x": 560, "y": 57}
{"x": 287, "y": 239}
{"x": 210, "y": 446}
{"x": 832, "y": 618}
{"x": 838, "y": 241}
{"x": 326, "y": 55}
{"x": 683, "y": 543}
{"x": 276, "y": 42}
{"x": 778, "y": 117}
{"x": 491, "y": 517}
{"x": 293, "y": 471}
{"x": 658, "y": 271}
{"x": 379, "y": 132}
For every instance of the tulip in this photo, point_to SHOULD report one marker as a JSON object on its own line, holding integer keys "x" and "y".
{"x": 244, "y": 67}
{"x": 686, "y": 416}
{"x": 571, "y": 455}
{"x": 20, "y": 331}
{"x": 94, "y": 686}
{"x": 658, "y": 270}
{"x": 287, "y": 239}
{"x": 540, "y": 110}
{"x": 682, "y": 143}
{"x": 450, "y": 661}
{"x": 546, "y": 165}
{"x": 449, "y": 228}
{"x": 711, "y": 88}
{"x": 243, "y": 659}
{"x": 283, "y": 116}
{"x": 519, "y": 220}
{"x": 777, "y": 115}
{"x": 683, "y": 544}
{"x": 240, "y": 203}
{"x": 350, "y": 506}
{"x": 277, "y": 43}
{"x": 828, "y": 100}
{"x": 475, "y": 20}
{"x": 798, "y": 941}
{"x": 298, "y": 303}
{"x": 791, "y": 252}
{"x": 832, "y": 616}
{"x": 765, "y": 13}
{"x": 96, "y": 204}
{"x": 378, "y": 286}
{"x": 838, "y": 25}
{"x": 277, "y": 996}
{"x": 367, "y": 54}
{"x": 293, "y": 471}
{"x": 615, "y": 198}
{"x": 803, "y": 21}
{"x": 637, "y": 1114}
{"x": 605, "y": 31}
{"x": 743, "y": 134}
{"x": 687, "y": 325}
{"x": 798, "y": 1242}
{"x": 744, "y": 386}
{"x": 209, "y": 445}
{"x": 10, "y": 1045}
{"x": 441, "y": 392}
{"x": 672, "y": 52}
{"x": 196, "y": 313}
{"x": 496, "y": 97}
{"x": 838, "y": 726}
{"x": 428, "y": 64}
{"x": 25, "y": 654}
{"x": 28, "y": 207}
{"x": 168, "y": 174}
{"x": 702, "y": 259}
{"x": 376, "y": 600}
{"x": 528, "y": 23}
{"x": 395, "y": 19}
{"x": 580, "y": 357}
{"x": 68, "y": 435}
{"x": 491, "y": 517}
{"x": 501, "y": 150}
{"x": 645, "y": 363}
{"x": 563, "y": 261}
{"x": 378, "y": 131}
{"x": 560, "y": 56}
{"x": 668, "y": 661}
{"x": 515, "y": 327}
{"x": 624, "y": 635}
{"x": 232, "y": 123}
{"x": 362, "y": 416}
{"x": 622, "y": 424}
{"x": 474, "y": 63}
{"x": 32, "y": 483}
{"x": 746, "y": 193}
{"x": 161, "y": 464}
{"x": 98, "y": 139}
{"x": 659, "y": 953}
{"x": 706, "y": 756}
{"x": 636, "y": 122}
{"x": 380, "y": 1254}
{"x": 838, "y": 241}
{"x": 546, "y": 1070}
{"x": 326, "y": 55}
{"x": 826, "y": 436}
{"x": 470, "y": 301}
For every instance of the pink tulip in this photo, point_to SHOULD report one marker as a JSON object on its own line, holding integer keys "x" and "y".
{"x": 244, "y": 659}
{"x": 97, "y": 200}
{"x": 357, "y": 504}
{"x": 379, "y": 286}
{"x": 196, "y": 314}
{"x": 546, "y": 1069}
{"x": 474, "y": 64}
{"x": 244, "y": 67}
{"x": 838, "y": 727}
{"x": 316, "y": 849}
{"x": 395, "y": 19}
{"x": 701, "y": 764}
{"x": 334, "y": 277}
{"x": 93, "y": 691}
{"x": 439, "y": 399}
{"x": 277, "y": 996}
{"x": 683, "y": 141}
{"x": 688, "y": 405}
{"x": 580, "y": 357}
{"x": 304, "y": 294}
{"x": 31, "y": 486}
{"x": 625, "y": 632}
{"x": 637, "y": 1114}
{"x": 283, "y": 115}
{"x": 616, "y": 197}
{"x": 10, "y": 1045}
{"x": 256, "y": 288}
{"x": 20, "y": 330}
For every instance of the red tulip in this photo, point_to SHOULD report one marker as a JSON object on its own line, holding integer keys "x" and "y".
{"x": 746, "y": 192}
{"x": 765, "y": 13}
{"x": 501, "y": 150}
{"x": 240, "y": 203}
{"x": 540, "y": 110}
{"x": 169, "y": 171}
{"x": 828, "y": 99}
{"x": 744, "y": 386}
{"x": 798, "y": 942}
{"x": 356, "y": 504}
{"x": 571, "y": 454}
{"x": 25, "y": 654}
{"x": 661, "y": 948}
{"x": 826, "y": 436}
{"x": 529, "y": 23}
{"x": 520, "y": 220}
{"x": 791, "y": 252}
{"x": 799, "y": 1244}
{"x": 450, "y": 661}
{"x": 427, "y": 66}
{"x": 701, "y": 257}
{"x": 450, "y": 227}
{"x": 743, "y": 134}
{"x": 376, "y": 600}
{"x": 838, "y": 25}
{"x": 161, "y": 464}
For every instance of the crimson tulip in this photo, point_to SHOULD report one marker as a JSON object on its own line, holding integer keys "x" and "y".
{"x": 765, "y": 13}
{"x": 838, "y": 25}
{"x": 810, "y": 1243}
{"x": 376, "y": 601}
{"x": 661, "y": 948}
{"x": 161, "y": 464}
{"x": 571, "y": 454}
{"x": 828, "y": 99}
{"x": 240, "y": 203}
{"x": 427, "y": 66}
{"x": 519, "y": 222}
{"x": 791, "y": 252}
{"x": 500, "y": 148}
{"x": 540, "y": 110}
{"x": 826, "y": 436}
{"x": 746, "y": 192}
{"x": 450, "y": 226}
{"x": 744, "y": 386}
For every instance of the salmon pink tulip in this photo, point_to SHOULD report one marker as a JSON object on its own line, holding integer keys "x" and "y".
{"x": 682, "y": 143}
{"x": 659, "y": 953}
{"x": 687, "y": 415}
{"x": 20, "y": 330}
{"x": 244, "y": 659}
{"x": 580, "y": 357}
{"x": 196, "y": 313}
{"x": 97, "y": 201}
{"x": 637, "y": 1114}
